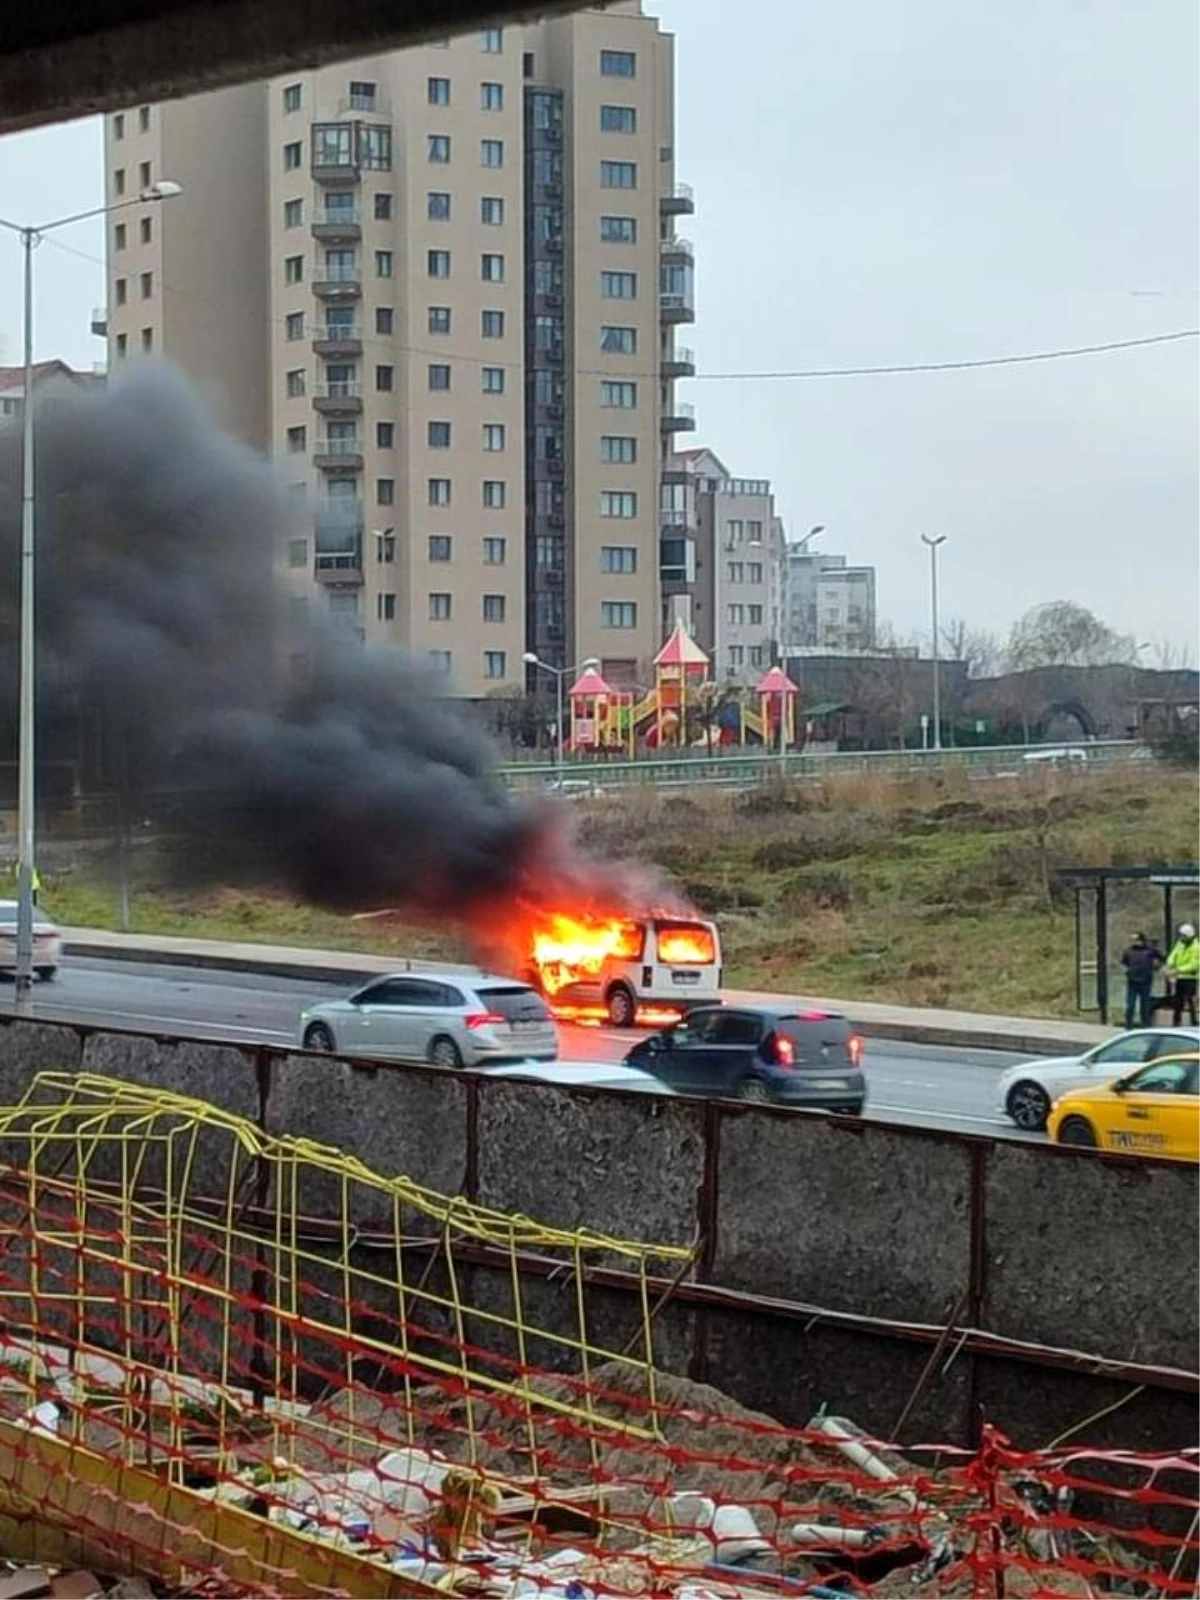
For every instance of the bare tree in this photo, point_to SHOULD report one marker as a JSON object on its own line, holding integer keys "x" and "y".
{"x": 1171, "y": 657}
{"x": 1063, "y": 634}
{"x": 979, "y": 649}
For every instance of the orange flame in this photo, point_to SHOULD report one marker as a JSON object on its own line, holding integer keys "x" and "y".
{"x": 684, "y": 944}
{"x": 566, "y": 948}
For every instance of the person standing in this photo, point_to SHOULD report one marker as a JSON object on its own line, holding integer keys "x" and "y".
{"x": 1141, "y": 961}
{"x": 1183, "y": 968}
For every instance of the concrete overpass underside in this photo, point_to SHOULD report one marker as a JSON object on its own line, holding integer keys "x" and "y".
{"x": 72, "y": 58}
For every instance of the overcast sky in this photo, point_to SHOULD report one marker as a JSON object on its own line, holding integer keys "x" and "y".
{"x": 890, "y": 182}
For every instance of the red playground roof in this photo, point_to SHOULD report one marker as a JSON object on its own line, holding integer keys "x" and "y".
{"x": 589, "y": 682}
{"x": 681, "y": 650}
{"x": 776, "y": 682}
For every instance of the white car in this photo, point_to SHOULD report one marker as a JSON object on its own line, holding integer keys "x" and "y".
{"x": 1029, "y": 1090}
{"x": 47, "y": 941}
{"x": 582, "y": 1075}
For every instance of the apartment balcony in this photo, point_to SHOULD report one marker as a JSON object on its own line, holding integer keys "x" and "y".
{"x": 340, "y": 281}
{"x": 340, "y": 453}
{"x": 340, "y": 222}
{"x": 339, "y": 567}
{"x": 365, "y": 105}
{"x": 675, "y": 307}
{"x": 677, "y": 201}
{"x": 100, "y": 322}
{"x": 673, "y": 521}
{"x": 677, "y": 477}
{"x": 678, "y": 251}
{"x": 680, "y": 417}
{"x": 679, "y": 363}
{"x": 338, "y": 542}
{"x": 337, "y": 339}
{"x": 338, "y": 399}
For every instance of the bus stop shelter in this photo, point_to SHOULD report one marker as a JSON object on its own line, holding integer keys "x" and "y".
{"x": 1171, "y": 891}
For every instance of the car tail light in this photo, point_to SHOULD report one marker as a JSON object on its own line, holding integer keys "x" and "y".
{"x": 785, "y": 1051}
{"x": 483, "y": 1019}
{"x": 856, "y": 1049}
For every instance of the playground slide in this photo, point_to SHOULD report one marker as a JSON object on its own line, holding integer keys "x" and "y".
{"x": 753, "y": 723}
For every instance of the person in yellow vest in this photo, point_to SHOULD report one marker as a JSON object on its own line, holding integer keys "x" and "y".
{"x": 1183, "y": 968}
{"x": 37, "y": 882}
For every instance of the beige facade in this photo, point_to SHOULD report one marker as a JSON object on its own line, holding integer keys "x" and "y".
{"x": 441, "y": 287}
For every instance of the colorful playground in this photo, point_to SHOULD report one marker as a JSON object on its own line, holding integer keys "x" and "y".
{"x": 685, "y": 708}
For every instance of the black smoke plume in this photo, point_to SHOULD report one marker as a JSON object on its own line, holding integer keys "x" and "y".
{"x": 346, "y": 779}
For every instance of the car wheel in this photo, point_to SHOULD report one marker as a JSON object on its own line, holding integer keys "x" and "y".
{"x": 622, "y": 1009}
{"x": 443, "y": 1052}
{"x": 46, "y": 974}
{"x": 754, "y": 1090}
{"x": 1077, "y": 1131}
{"x": 1028, "y": 1105}
{"x": 318, "y": 1037}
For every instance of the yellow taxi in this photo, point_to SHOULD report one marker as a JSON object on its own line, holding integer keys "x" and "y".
{"x": 1154, "y": 1111}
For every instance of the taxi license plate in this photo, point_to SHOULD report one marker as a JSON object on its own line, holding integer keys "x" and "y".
{"x": 685, "y": 977}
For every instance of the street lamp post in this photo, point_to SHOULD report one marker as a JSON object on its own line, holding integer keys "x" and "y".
{"x": 933, "y": 544}
{"x": 30, "y": 239}
{"x": 560, "y": 675}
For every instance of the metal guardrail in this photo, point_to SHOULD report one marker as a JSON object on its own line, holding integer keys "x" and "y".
{"x": 742, "y": 770}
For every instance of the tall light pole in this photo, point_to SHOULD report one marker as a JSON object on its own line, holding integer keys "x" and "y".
{"x": 30, "y": 239}
{"x": 933, "y": 544}
{"x": 560, "y": 675}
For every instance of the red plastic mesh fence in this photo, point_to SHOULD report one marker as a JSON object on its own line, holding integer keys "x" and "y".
{"x": 256, "y": 1396}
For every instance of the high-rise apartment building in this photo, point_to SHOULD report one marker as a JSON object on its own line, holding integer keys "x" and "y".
{"x": 443, "y": 286}
{"x": 829, "y": 605}
{"x": 723, "y": 563}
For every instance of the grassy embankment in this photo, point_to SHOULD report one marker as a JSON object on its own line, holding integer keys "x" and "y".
{"x": 938, "y": 891}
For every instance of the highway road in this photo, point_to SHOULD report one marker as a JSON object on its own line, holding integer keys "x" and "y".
{"x": 927, "y": 1085}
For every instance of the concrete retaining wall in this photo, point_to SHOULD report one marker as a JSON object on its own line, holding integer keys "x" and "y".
{"x": 804, "y": 1229}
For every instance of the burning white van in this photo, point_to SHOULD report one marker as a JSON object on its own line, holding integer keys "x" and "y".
{"x": 627, "y": 969}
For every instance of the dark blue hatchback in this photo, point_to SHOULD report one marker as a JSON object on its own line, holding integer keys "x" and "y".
{"x": 788, "y": 1057}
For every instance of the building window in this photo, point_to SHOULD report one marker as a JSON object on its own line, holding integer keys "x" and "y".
{"x": 375, "y": 149}
{"x": 618, "y": 174}
{"x": 362, "y": 96}
{"x": 618, "y": 449}
{"x": 438, "y": 376}
{"x": 441, "y": 661}
{"x": 437, "y": 206}
{"x": 385, "y": 435}
{"x": 438, "y": 435}
{"x": 293, "y": 326}
{"x": 293, "y": 213}
{"x": 439, "y": 607}
{"x": 143, "y": 119}
{"x": 439, "y": 491}
{"x": 735, "y": 530}
{"x": 492, "y": 324}
{"x": 384, "y": 379}
{"x": 493, "y": 436}
{"x": 491, "y": 152}
{"x": 147, "y": 338}
{"x": 618, "y": 396}
{"x": 618, "y": 503}
{"x": 144, "y": 177}
{"x": 293, "y": 97}
{"x": 119, "y": 236}
{"x": 146, "y": 230}
{"x": 756, "y": 572}
{"x": 385, "y": 491}
{"x": 491, "y": 97}
{"x": 437, "y": 91}
{"x": 491, "y": 268}
{"x": 297, "y": 553}
{"x": 439, "y": 148}
{"x": 297, "y": 441}
{"x": 618, "y": 64}
{"x": 122, "y": 287}
{"x": 618, "y": 285}
{"x": 492, "y": 380}
{"x": 385, "y": 607}
{"x": 122, "y": 344}
{"x": 384, "y": 319}
{"x": 293, "y": 154}
{"x": 735, "y": 571}
{"x": 492, "y": 41}
{"x": 438, "y": 263}
{"x": 493, "y": 608}
{"x": 439, "y": 319}
{"x": 440, "y": 546}
{"x": 618, "y": 119}
{"x": 494, "y": 494}
{"x": 618, "y": 341}
{"x": 383, "y": 208}
{"x": 494, "y": 552}
{"x": 495, "y": 664}
{"x": 618, "y": 614}
{"x": 295, "y": 383}
{"x": 618, "y": 558}
{"x": 491, "y": 211}
{"x": 293, "y": 269}
{"x": 383, "y": 263}
{"x": 735, "y": 615}
{"x": 737, "y": 655}
{"x": 118, "y": 125}
{"x": 119, "y": 181}
{"x": 754, "y": 615}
